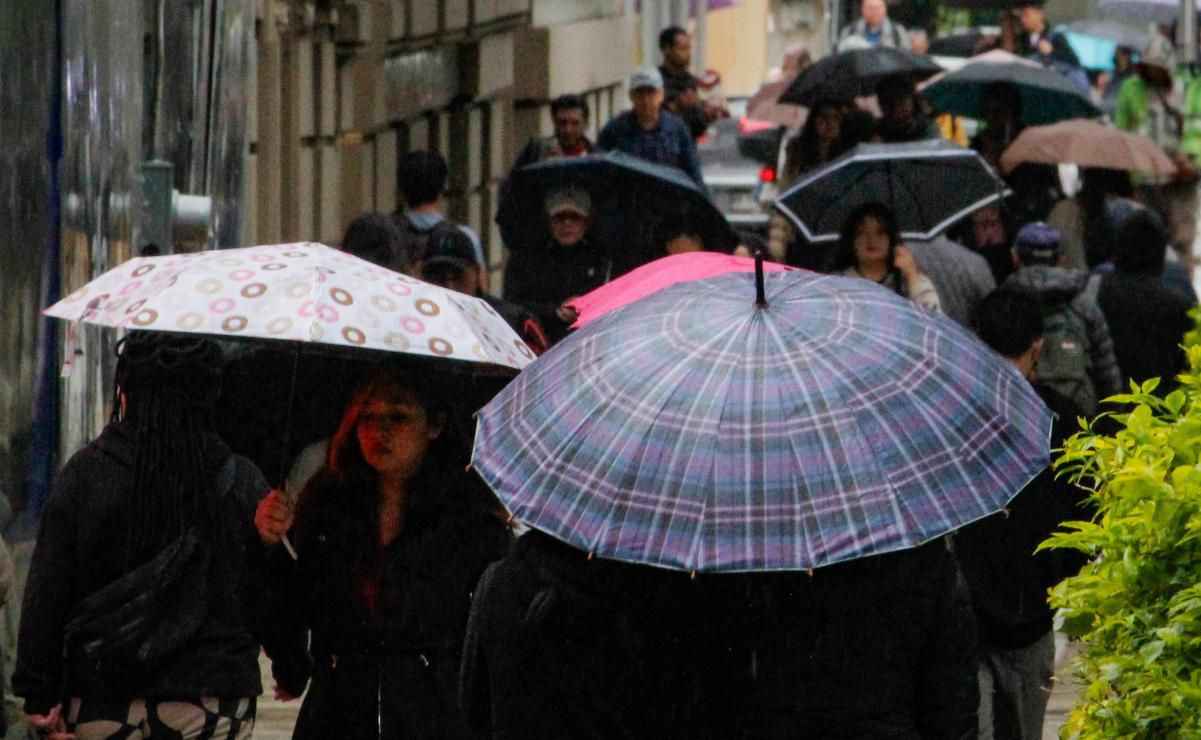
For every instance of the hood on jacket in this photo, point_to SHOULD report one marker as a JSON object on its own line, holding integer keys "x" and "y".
{"x": 116, "y": 441}
{"x": 1140, "y": 244}
{"x": 1054, "y": 283}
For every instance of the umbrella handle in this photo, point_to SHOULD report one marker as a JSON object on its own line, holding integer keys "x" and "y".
{"x": 760, "y": 292}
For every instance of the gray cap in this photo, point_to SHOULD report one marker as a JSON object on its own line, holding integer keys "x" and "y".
{"x": 646, "y": 77}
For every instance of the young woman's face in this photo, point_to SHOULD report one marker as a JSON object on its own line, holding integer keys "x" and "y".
{"x": 394, "y": 434}
{"x": 871, "y": 242}
{"x": 827, "y": 124}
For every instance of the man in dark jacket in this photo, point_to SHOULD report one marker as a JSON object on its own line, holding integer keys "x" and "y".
{"x": 545, "y": 278}
{"x": 569, "y": 113}
{"x": 1008, "y": 581}
{"x": 1146, "y": 318}
{"x": 650, "y": 132}
{"x": 1037, "y": 253}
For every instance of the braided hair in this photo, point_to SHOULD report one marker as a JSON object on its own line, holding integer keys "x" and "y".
{"x": 166, "y": 387}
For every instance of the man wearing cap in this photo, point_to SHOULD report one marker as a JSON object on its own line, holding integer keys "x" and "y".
{"x": 649, "y": 132}
{"x": 545, "y": 278}
{"x": 875, "y": 28}
{"x": 449, "y": 261}
{"x": 1075, "y": 326}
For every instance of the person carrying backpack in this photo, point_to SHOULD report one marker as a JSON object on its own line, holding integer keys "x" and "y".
{"x": 423, "y": 178}
{"x": 1077, "y": 358}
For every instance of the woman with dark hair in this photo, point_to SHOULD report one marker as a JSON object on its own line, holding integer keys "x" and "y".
{"x": 817, "y": 144}
{"x": 1085, "y": 229}
{"x": 156, "y": 509}
{"x": 870, "y": 247}
{"x": 392, "y": 536}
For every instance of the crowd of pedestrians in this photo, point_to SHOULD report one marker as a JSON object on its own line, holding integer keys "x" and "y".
{"x": 391, "y": 591}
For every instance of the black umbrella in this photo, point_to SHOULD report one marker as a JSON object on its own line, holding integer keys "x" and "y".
{"x": 629, "y": 198}
{"x": 850, "y": 74}
{"x": 928, "y": 185}
{"x": 1047, "y": 96}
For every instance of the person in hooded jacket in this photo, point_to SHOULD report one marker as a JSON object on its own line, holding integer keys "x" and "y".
{"x": 1038, "y": 257}
{"x": 880, "y": 647}
{"x": 1146, "y": 318}
{"x": 392, "y": 536}
{"x": 155, "y": 472}
{"x": 564, "y": 645}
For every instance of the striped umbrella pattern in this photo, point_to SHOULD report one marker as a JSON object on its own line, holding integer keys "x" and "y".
{"x": 694, "y": 430}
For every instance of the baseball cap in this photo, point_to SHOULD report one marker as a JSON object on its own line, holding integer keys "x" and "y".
{"x": 569, "y": 199}
{"x": 646, "y": 77}
{"x": 450, "y": 247}
{"x": 1037, "y": 240}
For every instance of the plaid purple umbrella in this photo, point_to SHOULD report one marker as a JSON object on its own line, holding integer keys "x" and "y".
{"x": 694, "y": 430}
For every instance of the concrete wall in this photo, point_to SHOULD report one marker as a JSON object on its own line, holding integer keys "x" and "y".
{"x": 342, "y": 94}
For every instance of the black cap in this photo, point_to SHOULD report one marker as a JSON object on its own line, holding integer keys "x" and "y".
{"x": 449, "y": 247}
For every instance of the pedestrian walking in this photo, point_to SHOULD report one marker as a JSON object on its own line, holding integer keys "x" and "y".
{"x": 901, "y": 118}
{"x": 649, "y": 132}
{"x": 562, "y": 645}
{"x": 449, "y": 261}
{"x": 987, "y": 233}
{"x": 1038, "y": 38}
{"x": 423, "y": 177}
{"x": 878, "y": 647}
{"x": 1147, "y": 319}
{"x": 681, "y": 89}
{"x": 1082, "y": 221}
{"x": 543, "y": 279}
{"x": 818, "y": 143}
{"x": 392, "y": 536}
{"x": 1007, "y": 579}
{"x": 870, "y": 247}
{"x": 143, "y": 608}
{"x": 1077, "y": 358}
{"x": 875, "y": 28}
{"x": 569, "y": 113}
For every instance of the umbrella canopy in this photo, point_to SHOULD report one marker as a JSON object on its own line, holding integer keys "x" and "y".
{"x": 629, "y": 196}
{"x": 1146, "y": 11}
{"x": 1047, "y": 96}
{"x": 655, "y": 276}
{"x": 698, "y": 430}
{"x": 1087, "y": 143}
{"x": 302, "y": 292}
{"x": 1120, "y": 33}
{"x": 850, "y": 74}
{"x": 928, "y": 185}
{"x": 764, "y": 105}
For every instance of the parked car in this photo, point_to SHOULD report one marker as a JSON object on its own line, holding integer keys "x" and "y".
{"x": 738, "y": 161}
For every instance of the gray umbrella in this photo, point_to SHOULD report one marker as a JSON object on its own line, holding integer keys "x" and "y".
{"x": 928, "y": 185}
{"x": 1122, "y": 34}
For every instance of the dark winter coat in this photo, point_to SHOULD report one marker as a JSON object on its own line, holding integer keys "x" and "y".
{"x": 1055, "y": 285}
{"x": 541, "y": 278}
{"x": 1147, "y": 319}
{"x": 883, "y": 647}
{"x": 1008, "y": 581}
{"x": 563, "y": 646}
{"x": 80, "y": 549}
{"x": 395, "y": 675}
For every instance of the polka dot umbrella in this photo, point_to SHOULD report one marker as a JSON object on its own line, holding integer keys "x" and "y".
{"x": 304, "y": 292}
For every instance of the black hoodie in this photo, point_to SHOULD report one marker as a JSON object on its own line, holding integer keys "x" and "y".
{"x": 81, "y": 548}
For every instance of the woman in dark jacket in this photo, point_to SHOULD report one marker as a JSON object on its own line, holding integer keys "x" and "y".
{"x": 392, "y": 537}
{"x": 156, "y": 472}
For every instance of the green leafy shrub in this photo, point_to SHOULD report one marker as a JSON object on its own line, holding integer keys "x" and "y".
{"x": 1137, "y": 606}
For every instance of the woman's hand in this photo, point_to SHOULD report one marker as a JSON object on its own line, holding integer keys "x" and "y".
{"x": 904, "y": 262}
{"x": 51, "y": 725}
{"x": 273, "y": 517}
{"x": 567, "y": 313}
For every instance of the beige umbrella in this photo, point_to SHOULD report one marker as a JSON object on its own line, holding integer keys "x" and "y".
{"x": 1087, "y": 143}
{"x": 763, "y": 105}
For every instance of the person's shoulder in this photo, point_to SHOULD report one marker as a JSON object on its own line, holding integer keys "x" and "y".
{"x": 672, "y": 123}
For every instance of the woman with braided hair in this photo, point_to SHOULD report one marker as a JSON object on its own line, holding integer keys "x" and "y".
{"x": 159, "y": 493}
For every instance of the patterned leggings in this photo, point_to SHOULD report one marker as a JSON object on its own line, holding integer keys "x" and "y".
{"x": 206, "y": 718}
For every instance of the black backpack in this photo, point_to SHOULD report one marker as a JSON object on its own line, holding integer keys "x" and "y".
{"x": 414, "y": 241}
{"x": 123, "y": 633}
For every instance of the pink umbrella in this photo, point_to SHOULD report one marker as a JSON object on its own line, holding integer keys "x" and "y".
{"x": 654, "y": 276}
